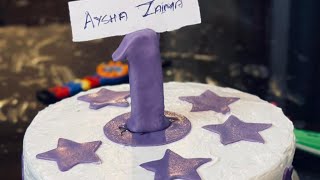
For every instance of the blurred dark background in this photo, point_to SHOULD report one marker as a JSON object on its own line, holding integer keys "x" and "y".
{"x": 266, "y": 47}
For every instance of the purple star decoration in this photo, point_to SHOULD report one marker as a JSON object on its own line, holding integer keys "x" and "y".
{"x": 70, "y": 153}
{"x": 173, "y": 166}
{"x": 210, "y": 101}
{"x": 287, "y": 175}
{"x": 105, "y": 97}
{"x": 234, "y": 130}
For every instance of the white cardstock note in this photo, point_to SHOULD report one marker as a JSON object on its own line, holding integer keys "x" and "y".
{"x": 95, "y": 19}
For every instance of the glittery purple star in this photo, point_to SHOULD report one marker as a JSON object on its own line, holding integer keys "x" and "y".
{"x": 210, "y": 101}
{"x": 70, "y": 153}
{"x": 173, "y": 166}
{"x": 234, "y": 130}
{"x": 105, "y": 97}
{"x": 287, "y": 175}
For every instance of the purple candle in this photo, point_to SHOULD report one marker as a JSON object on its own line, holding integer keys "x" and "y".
{"x": 141, "y": 49}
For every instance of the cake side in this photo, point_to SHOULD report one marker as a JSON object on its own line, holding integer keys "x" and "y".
{"x": 72, "y": 119}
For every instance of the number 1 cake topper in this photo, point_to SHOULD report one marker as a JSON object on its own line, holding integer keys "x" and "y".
{"x": 95, "y": 19}
{"x": 147, "y": 124}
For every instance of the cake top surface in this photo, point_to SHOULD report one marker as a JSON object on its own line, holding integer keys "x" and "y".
{"x": 72, "y": 119}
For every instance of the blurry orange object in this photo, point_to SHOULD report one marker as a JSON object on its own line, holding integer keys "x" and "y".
{"x": 112, "y": 69}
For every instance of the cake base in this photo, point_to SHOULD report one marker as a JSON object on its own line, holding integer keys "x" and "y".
{"x": 72, "y": 119}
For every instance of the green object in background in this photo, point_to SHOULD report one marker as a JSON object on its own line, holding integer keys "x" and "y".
{"x": 308, "y": 141}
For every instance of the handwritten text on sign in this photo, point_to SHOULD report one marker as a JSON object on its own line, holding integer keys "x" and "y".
{"x": 94, "y": 19}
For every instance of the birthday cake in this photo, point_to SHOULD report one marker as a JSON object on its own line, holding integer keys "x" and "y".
{"x": 150, "y": 130}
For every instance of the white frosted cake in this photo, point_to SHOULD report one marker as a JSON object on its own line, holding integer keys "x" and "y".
{"x": 267, "y": 158}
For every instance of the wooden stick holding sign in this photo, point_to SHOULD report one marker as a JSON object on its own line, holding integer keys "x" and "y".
{"x": 95, "y": 19}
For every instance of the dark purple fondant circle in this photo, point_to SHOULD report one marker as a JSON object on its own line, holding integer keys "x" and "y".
{"x": 178, "y": 129}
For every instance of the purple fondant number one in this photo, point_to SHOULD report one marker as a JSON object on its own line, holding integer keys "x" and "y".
{"x": 142, "y": 51}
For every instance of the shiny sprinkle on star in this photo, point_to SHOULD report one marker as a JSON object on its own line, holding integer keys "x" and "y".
{"x": 210, "y": 101}
{"x": 173, "y": 166}
{"x": 287, "y": 175}
{"x": 69, "y": 153}
{"x": 234, "y": 130}
{"x": 105, "y": 97}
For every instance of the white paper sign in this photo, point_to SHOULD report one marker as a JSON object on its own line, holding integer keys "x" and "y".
{"x": 95, "y": 19}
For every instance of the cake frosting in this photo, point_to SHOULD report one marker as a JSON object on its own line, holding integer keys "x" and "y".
{"x": 73, "y": 120}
